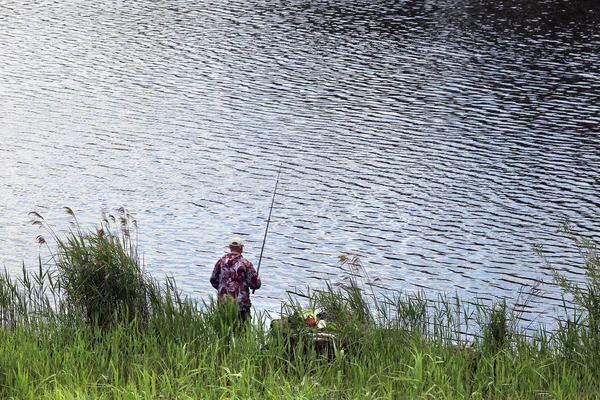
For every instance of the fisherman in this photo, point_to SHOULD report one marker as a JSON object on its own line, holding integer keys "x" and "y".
{"x": 234, "y": 276}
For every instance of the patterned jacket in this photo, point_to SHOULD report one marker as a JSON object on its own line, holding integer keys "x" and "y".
{"x": 234, "y": 276}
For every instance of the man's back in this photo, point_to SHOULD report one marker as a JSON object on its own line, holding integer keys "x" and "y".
{"x": 234, "y": 276}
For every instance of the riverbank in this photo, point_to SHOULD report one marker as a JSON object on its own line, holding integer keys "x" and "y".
{"x": 183, "y": 351}
{"x": 96, "y": 326}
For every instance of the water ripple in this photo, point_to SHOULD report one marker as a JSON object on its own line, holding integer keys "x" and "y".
{"x": 436, "y": 142}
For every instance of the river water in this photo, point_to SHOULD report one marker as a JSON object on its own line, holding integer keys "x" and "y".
{"x": 437, "y": 140}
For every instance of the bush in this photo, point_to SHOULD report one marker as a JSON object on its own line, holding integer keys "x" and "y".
{"x": 100, "y": 271}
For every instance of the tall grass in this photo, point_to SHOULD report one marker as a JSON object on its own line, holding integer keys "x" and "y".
{"x": 402, "y": 346}
{"x": 100, "y": 270}
{"x": 579, "y": 334}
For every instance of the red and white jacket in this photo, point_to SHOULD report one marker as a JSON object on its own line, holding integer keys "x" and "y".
{"x": 234, "y": 276}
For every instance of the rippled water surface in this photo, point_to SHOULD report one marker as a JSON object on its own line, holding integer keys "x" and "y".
{"x": 438, "y": 140}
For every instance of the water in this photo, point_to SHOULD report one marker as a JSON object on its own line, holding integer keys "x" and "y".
{"x": 438, "y": 140}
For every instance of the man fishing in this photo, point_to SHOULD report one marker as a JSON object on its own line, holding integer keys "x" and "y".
{"x": 234, "y": 276}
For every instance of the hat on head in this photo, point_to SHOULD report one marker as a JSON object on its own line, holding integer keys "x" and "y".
{"x": 236, "y": 242}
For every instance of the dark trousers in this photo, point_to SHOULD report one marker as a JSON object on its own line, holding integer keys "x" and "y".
{"x": 245, "y": 316}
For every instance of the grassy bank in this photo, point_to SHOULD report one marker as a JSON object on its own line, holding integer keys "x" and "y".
{"x": 118, "y": 334}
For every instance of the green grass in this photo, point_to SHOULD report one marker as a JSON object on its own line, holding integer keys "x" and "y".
{"x": 164, "y": 346}
{"x": 181, "y": 353}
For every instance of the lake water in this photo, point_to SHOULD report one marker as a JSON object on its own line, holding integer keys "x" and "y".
{"x": 437, "y": 140}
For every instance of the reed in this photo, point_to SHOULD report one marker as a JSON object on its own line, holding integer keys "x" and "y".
{"x": 579, "y": 334}
{"x": 400, "y": 346}
{"x": 100, "y": 271}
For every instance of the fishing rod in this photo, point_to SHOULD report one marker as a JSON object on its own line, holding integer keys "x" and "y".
{"x": 268, "y": 221}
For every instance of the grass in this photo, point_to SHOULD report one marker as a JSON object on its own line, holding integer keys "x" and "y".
{"x": 163, "y": 346}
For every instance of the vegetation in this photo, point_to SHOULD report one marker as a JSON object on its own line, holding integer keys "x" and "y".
{"x": 96, "y": 326}
{"x": 581, "y": 330}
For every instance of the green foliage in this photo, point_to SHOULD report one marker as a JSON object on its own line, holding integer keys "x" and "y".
{"x": 398, "y": 347}
{"x": 580, "y": 333}
{"x": 496, "y": 334}
{"x": 101, "y": 273}
{"x": 182, "y": 353}
{"x": 409, "y": 311}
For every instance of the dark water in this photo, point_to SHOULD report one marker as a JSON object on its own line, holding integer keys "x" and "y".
{"x": 438, "y": 140}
